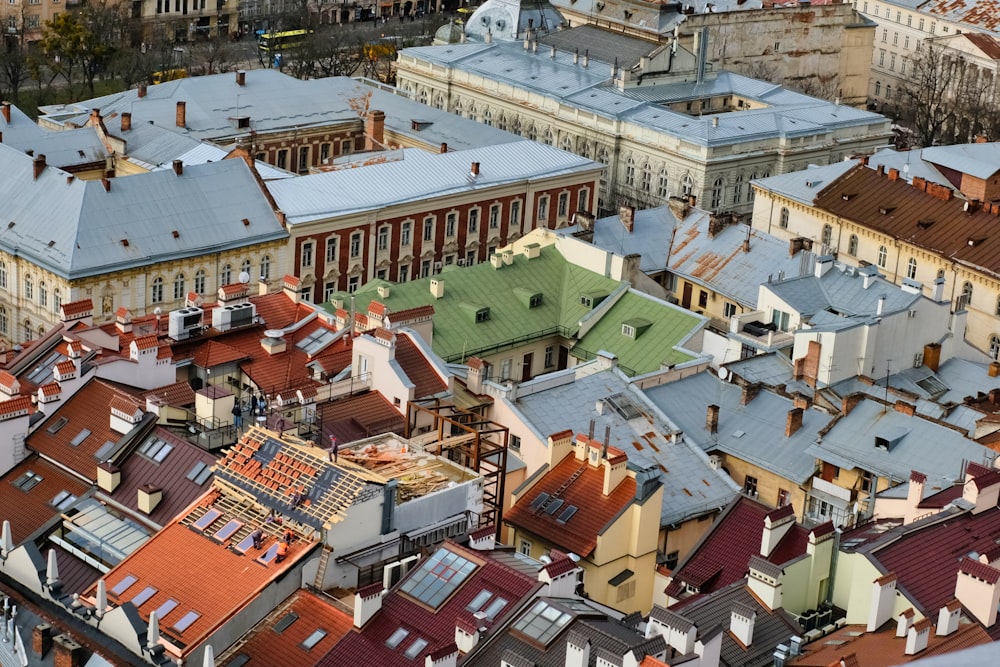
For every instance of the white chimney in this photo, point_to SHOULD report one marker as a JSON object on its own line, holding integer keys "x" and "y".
{"x": 917, "y": 635}
{"x": 483, "y": 539}
{"x": 914, "y": 494}
{"x": 446, "y": 656}
{"x": 883, "y": 597}
{"x": 764, "y": 581}
{"x": 948, "y": 618}
{"x": 577, "y": 650}
{"x": 904, "y": 621}
{"x": 776, "y": 524}
{"x": 823, "y": 264}
{"x": 437, "y": 288}
{"x": 677, "y": 631}
{"x": 977, "y": 589}
{"x": 367, "y": 602}
{"x": 466, "y": 632}
{"x": 937, "y": 294}
{"x": 880, "y": 307}
{"x": 741, "y": 622}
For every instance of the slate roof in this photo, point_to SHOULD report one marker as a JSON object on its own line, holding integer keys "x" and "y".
{"x": 603, "y": 629}
{"x": 723, "y": 555}
{"x": 93, "y": 231}
{"x": 277, "y": 641}
{"x": 770, "y": 627}
{"x": 80, "y": 414}
{"x": 579, "y": 533}
{"x": 690, "y": 486}
{"x": 29, "y": 509}
{"x": 435, "y": 626}
{"x": 803, "y": 185}
{"x": 754, "y": 433}
{"x": 933, "y": 449}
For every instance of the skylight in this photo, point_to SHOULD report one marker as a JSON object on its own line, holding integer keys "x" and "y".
{"x": 316, "y": 341}
{"x": 155, "y": 449}
{"x": 186, "y": 621}
{"x": 477, "y": 602}
{"x": 542, "y": 622}
{"x": 438, "y": 577}
{"x": 27, "y": 481}
{"x": 80, "y": 437}
{"x": 200, "y": 473}
{"x": 415, "y": 648}
{"x": 63, "y": 500}
{"x": 166, "y": 608}
{"x": 285, "y": 621}
{"x": 124, "y": 584}
{"x": 313, "y": 639}
{"x": 143, "y": 596}
{"x": 396, "y": 638}
{"x": 495, "y": 608}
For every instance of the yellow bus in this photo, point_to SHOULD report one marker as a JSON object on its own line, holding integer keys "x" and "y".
{"x": 169, "y": 75}
{"x": 270, "y": 43}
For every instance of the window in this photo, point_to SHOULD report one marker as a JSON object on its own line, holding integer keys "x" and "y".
{"x": 630, "y": 173}
{"x": 397, "y": 637}
{"x": 27, "y": 329}
{"x": 494, "y": 216}
{"x": 783, "y": 498}
{"x": 43, "y": 294}
{"x": 780, "y": 319}
{"x": 883, "y": 255}
{"x": 895, "y": 39}
{"x": 563, "y": 205}
{"x": 27, "y": 481}
{"x": 885, "y": 34}
{"x": 626, "y": 591}
{"x": 324, "y": 152}
{"x": 352, "y": 284}
{"x": 878, "y": 88}
{"x": 383, "y": 239}
{"x": 428, "y": 229}
{"x": 4, "y": 321}
{"x": 549, "y": 353}
{"x": 307, "y": 253}
{"x": 994, "y": 346}
{"x": 687, "y": 185}
{"x": 750, "y": 486}
{"x": 581, "y": 199}
{"x": 702, "y": 299}
{"x": 738, "y": 190}
{"x": 331, "y": 249}
{"x": 717, "y": 194}
{"x": 543, "y": 208}
{"x": 199, "y": 281}
{"x": 783, "y": 221}
{"x": 628, "y": 330}
{"x": 303, "y": 159}
{"x": 906, "y": 38}
{"x": 827, "y": 235}
{"x": 282, "y": 159}
{"x": 226, "y": 277}
{"x": 920, "y": 25}
{"x": 852, "y": 245}
{"x": 179, "y": 286}
{"x": 63, "y": 500}
{"x": 156, "y": 292}
{"x": 449, "y": 224}
{"x": 647, "y": 178}
{"x": 911, "y": 268}
{"x": 347, "y": 147}
{"x": 868, "y": 480}
{"x": 29, "y": 291}
{"x": 404, "y": 273}
{"x": 662, "y": 184}
{"x": 316, "y": 637}
{"x": 728, "y": 309}
{"x": 998, "y": 307}
{"x": 474, "y": 221}
{"x": 966, "y": 297}
{"x": 418, "y": 644}
{"x": 515, "y": 213}
{"x": 524, "y": 547}
{"x": 3, "y": 274}
{"x": 425, "y": 268}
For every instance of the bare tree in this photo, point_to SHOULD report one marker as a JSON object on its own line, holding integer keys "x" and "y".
{"x": 328, "y": 53}
{"x": 15, "y": 69}
{"x": 928, "y": 104}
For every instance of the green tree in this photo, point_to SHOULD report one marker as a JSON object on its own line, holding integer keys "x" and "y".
{"x": 85, "y": 43}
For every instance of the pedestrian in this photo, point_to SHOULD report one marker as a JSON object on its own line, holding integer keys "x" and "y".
{"x": 253, "y": 405}
{"x": 334, "y": 447}
{"x": 258, "y": 538}
{"x": 238, "y": 416}
{"x": 289, "y": 536}
{"x": 263, "y": 405}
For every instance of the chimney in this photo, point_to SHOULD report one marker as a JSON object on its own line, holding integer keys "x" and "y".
{"x": 905, "y": 408}
{"x": 977, "y": 589}
{"x": 446, "y": 656}
{"x": 750, "y": 391}
{"x": 993, "y": 370}
{"x": 627, "y": 216}
{"x": 794, "y": 246}
{"x": 41, "y": 640}
{"x": 181, "y": 115}
{"x": 932, "y": 356}
{"x": 444, "y": 147}
{"x": 467, "y": 632}
{"x": 948, "y": 617}
{"x": 712, "y": 419}
{"x": 850, "y": 402}
{"x": 474, "y": 170}
{"x": 577, "y": 650}
{"x": 126, "y": 121}
{"x": 149, "y": 497}
{"x": 777, "y": 523}
{"x": 241, "y": 77}
{"x": 367, "y": 602}
{"x": 5, "y": 110}
{"x": 38, "y": 166}
{"x": 801, "y": 401}
{"x": 141, "y": 91}
{"x": 764, "y": 581}
{"x": 615, "y": 469}
{"x": 437, "y": 288}
{"x": 903, "y": 622}
{"x": 883, "y": 597}
{"x": 919, "y": 183}
{"x": 476, "y": 375}
{"x": 823, "y": 265}
{"x": 893, "y": 174}
{"x": 109, "y": 476}
{"x": 741, "y": 622}
{"x": 914, "y": 495}
{"x": 793, "y": 422}
{"x": 178, "y": 167}
{"x": 917, "y": 635}
{"x": 374, "y": 130}
{"x": 483, "y": 539}
{"x": 107, "y": 184}
{"x": 68, "y": 653}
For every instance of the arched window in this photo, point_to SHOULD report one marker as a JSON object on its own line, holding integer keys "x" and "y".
{"x": 585, "y": 149}
{"x": 647, "y": 178}
{"x": 738, "y": 190}
{"x": 852, "y": 245}
{"x": 29, "y": 288}
{"x": 550, "y": 137}
{"x": 783, "y": 222}
{"x": 687, "y": 185}
{"x": 488, "y": 118}
{"x": 265, "y": 267}
{"x": 994, "y": 346}
{"x": 226, "y": 276}
{"x": 3, "y": 274}
{"x": 888, "y": 91}
{"x": 878, "y": 88}
{"x": 43, "y": 294}
{"x": 4, "y": 322}
{"x": 750, "y": 190}
{"x": 27, "y": 330}
{"x": 717, "y": 194}
{"x": 911, "y": 268}
{"x": 630, "y": 173}
{"x": 940, "y": 274}
{"x": 56, "y": 300}
{"x": 567, "y": 143}
{"x": 967, "y": 294}
{"x": 827, "y": 235}
{"x": 245, "y": 268}
{"x": 179, "y": 286}
{"x": 199, "y": 281}
{"x": 662, "y": 184}
{"x": 156, "y": 291}
{"x": 883, "y": 256}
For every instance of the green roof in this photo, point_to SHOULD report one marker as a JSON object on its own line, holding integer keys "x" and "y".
{"x": 658, "y": 327}
{"x": 514, "y": 313}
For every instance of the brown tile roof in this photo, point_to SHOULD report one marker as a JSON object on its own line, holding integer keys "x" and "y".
{"x": 931, "y": 223}
{"x": 595, "y": 511}
{"x": 215, "y": 353}
{"x": 178, "y": 394}
{"x": 979, "y": 570}
{"x": 881, "y": 648}
{"x": 78, "y": 307}
{"x": 985, "y": 43}
{"x": 416, "y": 366}
{"x": 356, "y": 417}
{"x": 28, "y": 510}
{"x": 266, "y": 646}
{"x": 86, "y": 410}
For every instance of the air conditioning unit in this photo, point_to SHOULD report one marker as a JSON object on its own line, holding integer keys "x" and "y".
{"x": 184, "y": 323}
{"x": 461, "y": 262}
{"x": 231, "y": 317}
{"x": 437, "y": 266}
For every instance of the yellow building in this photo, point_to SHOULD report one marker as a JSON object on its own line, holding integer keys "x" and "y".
{"x": 587, "y": 502}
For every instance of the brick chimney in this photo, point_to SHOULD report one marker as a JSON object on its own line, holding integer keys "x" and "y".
{"x": 750, "y": 391}
{"x": 712, "y": 419}
{"x": 793, "y": 422}
{"x": 141, "y": 90}
{"x": 905, "y": 408}
{"x": 850, "y": 402}
{"x": 68, "y": 653}
{"x": 241, "y": 78}
{"x": 932, "y": 356}
{"x": 5, "y": 110}
{"x": 126, "y": 121}
{"x": 38, "y": 166}
{"x": 178, "y": 167}
{"x": 444, "y": 147}
{"x": 893, "y": 174}
{"x": 41, "y": 640}
{"x": 181, "y": 115}
{"x": 374, "y": 130}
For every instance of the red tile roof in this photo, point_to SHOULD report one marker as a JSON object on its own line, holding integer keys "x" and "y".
{"x": 146, "y": 342}
{"x": 215, "y": 353}
{"x": 78, "y": 307}
{"x": 725, "y": 552}
{"x": 356, "y": 417}
{"x": 979, "y": 570}
{"x": 420, "y": 371}
{"x": 88, "y": 409}
{"x": 881, "y": 648}
{"x": 7, "y": 380}
{"x": 178, "y": 394}
{"x": 20, "y": 404}
{"x": 28, "y": 510}
{"x": 595, "y": 511}
{"x": 437, "y": 627}
{"x": 267, "y": 647}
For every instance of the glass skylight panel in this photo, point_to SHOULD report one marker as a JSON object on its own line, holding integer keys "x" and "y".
{"x": 63, "y": 500}
{"x": 58, "y": 424}
{"x": 542, "y": 622}
{"x": 495, "y": 608}
{"x": 315, "y": 341}
{"x": 438, "y": 577}
{"x": 227, "y": 531}
{"x": 200, "y": 472}
{"x": 27, "y": 481}
{"x": 285, "y": 622}
{"x": 567, "y": 514}
{"x": 186, "y": 620}
{"x": 313, "y": 639}
{"x": 80, "y": 437}
{"x": 143, "y": 596}
{"x": 101, "y": 532}
{"x": 156, "y": 449}
{"x": 166, "y": 608}
{"x": 102, "y": 453}
{"x": 539, "y": 500}
{"x": 43, "y": 371}
{"x": 415, "y": 648}
{"x": 554, "y": 506}
{"x": 477, "y": 602}
{"x": 123, "y": 585}
{"x": 396, "y": 637}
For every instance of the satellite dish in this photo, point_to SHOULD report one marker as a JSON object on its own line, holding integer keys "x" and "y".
{"x": 157, "y": 310}
{"x": 244, "y": 277}
{"x": 724, "y": 374}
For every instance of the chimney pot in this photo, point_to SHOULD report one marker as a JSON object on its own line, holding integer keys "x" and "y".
{"x": 38, "y": 166}
{"x": 475, "y": 168}
{"x": 126, "y": 121}
{"x": 241, "y": 77}
{"x": 444, "y": 147}
{"x": 793, "y": 422}
{"x": 181, "y": 115}
{"x": 712, "y": 419}
{"x": 141, "y": 91}
{"x": 5, "y": 109}
{"x": 178, "y": 167}
{"x": 107, "y": 184}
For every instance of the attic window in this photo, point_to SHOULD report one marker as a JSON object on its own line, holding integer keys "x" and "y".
{"x": 628, "y": 330}
{"x": 535, "y": 301}
{"x": 482, "y": 315}
{"x": 415, "y": 648}
{"x": 10, "y": 225}
{"x": 27, "y": 481}
{"x": 59, "y": 423}
{"x": 592, "y": 299}
{"x": 63, "y": 500}
{"x": 635, "y": 327}
{"x": 886, "y": 210}
{"x": 51, "y": 243}
{"x": 528, "y": 297}
{"x": 848, "y": 196}
{"x": 313, "y": 639}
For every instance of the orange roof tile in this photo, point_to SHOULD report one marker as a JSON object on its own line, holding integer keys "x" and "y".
{"x": 215, "y": 353}
{"x": 78, "y": 307}
{"x": 50, "y": 389}
{"x": 234, "y": 290}
{"x": 594, "y": 510}
{"x": 417, "y": 368}
{"x": 27, "y": 510}
{"x": 376, "y": 308}
{"x": 18, "y": 404}
{"x": 146, "y": 342}
{"x": 7, "y": 380}
{"x": 178, "y": 394}
{"x": 66, "y": 367}
{"x": 881, "y": 648}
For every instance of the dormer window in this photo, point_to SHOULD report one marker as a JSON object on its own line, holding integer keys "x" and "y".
{"x": 628, "y": 330}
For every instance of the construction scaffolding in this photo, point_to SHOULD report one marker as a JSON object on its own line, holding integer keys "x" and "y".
{"x": 468, "y": 439}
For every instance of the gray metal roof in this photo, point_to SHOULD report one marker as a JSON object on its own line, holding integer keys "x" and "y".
{"x": 965, "y": 378}
{"x": 770, "y": 369}
{"x": 803, "y": 186}
{"x": 839, "y": 298}
{"x": 419, "y": 176}
{"x": 649, "y": 238}
{"x": 690, "y": 486}
{"x": 935, "y": 450}
{"x": 783, "y": 113}
{"x": 75, "y": 228}
{"x": 603, "y": 45}
{"x": 909, "y": 164}
{"x": 754, "y": 433}
{"x": 979, "y": 160}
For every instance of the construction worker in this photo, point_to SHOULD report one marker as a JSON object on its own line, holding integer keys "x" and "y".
{"x": 282, "y": 552}
{"x": 258, "y": 538}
